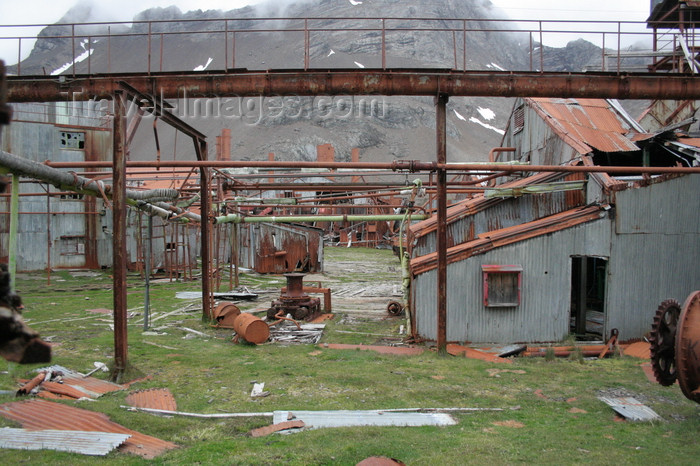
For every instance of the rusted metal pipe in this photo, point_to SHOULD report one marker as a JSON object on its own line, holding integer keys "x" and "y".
{"x": 362, "y": 82}
{"x": 119, "y": 251}
{"x": 397, "y": 165}
{"x": 441, "y": 139}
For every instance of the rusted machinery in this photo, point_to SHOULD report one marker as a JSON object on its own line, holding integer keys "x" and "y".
{"x": 294, "y": 301}
{"x": 675, "y": 345}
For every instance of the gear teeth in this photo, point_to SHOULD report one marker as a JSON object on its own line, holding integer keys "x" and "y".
{"x": 664, "y": 375}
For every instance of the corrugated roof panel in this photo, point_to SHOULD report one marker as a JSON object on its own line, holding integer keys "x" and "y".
{"x": 155, "y": 398}
{"x": 85, "y": 443}
{"x": 42, "y": 415}
{"x": 586, "y": 122}
{"x": 76, "y": 385}
{"x": 630, "y": 408}
{"x": 343, "y": 418}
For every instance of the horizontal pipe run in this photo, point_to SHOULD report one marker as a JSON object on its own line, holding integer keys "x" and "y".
{"x": 396, "y": 165}
{"x": 235, "y": 218}
{"x": 423, "y": 82}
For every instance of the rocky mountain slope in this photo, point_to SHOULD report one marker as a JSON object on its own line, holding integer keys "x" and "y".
{"x": 383, "y": 128}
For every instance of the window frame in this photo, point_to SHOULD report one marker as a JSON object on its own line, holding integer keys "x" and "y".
{"x": 493, "y": 270}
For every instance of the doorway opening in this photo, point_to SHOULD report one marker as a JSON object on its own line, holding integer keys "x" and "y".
{"x": 588, "y": 280}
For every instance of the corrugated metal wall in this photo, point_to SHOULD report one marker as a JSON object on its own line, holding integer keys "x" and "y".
{"x": 656, "y": 251}
{"x": 543, "y": 314}
{"x": 507, "y": 213}
{"x": 653, "y": 256}
{"x": 72, "y": 233}
{"x": 262, "y": 246}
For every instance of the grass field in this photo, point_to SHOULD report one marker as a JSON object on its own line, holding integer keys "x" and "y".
{"x": 552, "y": 415}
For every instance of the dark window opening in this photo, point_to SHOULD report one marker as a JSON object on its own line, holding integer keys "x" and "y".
{"x": 72, "y": 140}
{"x": 653, "y": 155}
{"x": 588, "y": 280}
{"x": 502, "y": 285}
{"x": 71, "y": 245}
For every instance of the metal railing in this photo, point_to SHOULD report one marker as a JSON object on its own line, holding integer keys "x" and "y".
{"x": 220, "y": 38}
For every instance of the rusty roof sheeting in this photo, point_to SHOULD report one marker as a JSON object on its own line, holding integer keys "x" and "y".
{"x": 480, "y": 202}
{"x": 76, "y": 385}
{"x": 586, "y": 124}
{"x": 41, "y": 415}
{"x": 85, "y": 443}
{"x": 154, "y": 398}
{"x": 497, "y": 238}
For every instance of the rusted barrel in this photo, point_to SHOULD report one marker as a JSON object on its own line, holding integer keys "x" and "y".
{"x": 252, "y": 329}
{"x": 225, "y": 314}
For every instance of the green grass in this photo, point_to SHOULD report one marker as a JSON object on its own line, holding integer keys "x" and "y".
{"x": 212, "y": 375}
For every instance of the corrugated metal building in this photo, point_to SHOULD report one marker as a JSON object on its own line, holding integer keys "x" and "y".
{"x": 602, "y": 258}
{"x": 66, "y": 228}
{"x": 69, "y": 230}
{"x": 280, "y": 248}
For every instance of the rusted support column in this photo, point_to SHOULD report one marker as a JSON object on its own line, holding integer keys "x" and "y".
{"x": 206, "y": 226}
{"x": 441, "y": 136}
{"x": 119, "y": 259}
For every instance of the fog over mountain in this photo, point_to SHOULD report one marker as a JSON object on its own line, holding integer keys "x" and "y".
{"x": 383, "y": 128}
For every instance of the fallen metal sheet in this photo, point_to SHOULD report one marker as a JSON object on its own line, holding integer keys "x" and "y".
{"x": 41, "y": 415}
{"x": 155, "y": 398}
{"x": 343, "y": 418}
{"x": 271, "y": 429}
{"x": 85, "y": 443}
{"x": 76, "y": 385}
{"x": 472, "y": 353}
{"x": 630, "y": 408}
{"x": 639, "y": 350}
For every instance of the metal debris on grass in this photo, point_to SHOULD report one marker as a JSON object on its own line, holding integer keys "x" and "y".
{"x": 43, "y": 415}
{"x": 155, "y": 398}
{"x": 289, "y": 333}
{"x": 346, "y": 418}
{"x": 72, "y": 441}
{"x": 630, "y": 408}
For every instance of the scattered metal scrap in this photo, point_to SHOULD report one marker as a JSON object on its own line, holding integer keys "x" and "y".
{"x": 271, "y": 429}
{"x": 42, "y": 415}
{"x": 307, "y": 334}
{"x": 58, "y": 380}
{"x": 344, "y": 418}
{"x": 630, "y": 408}
{"x": 155, "y": 398}
{"x": 72, "y": 441}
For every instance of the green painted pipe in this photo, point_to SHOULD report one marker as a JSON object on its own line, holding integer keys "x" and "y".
{"x": 235, "y": 218}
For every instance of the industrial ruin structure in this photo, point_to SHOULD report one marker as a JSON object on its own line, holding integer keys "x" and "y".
{"x": 550, "y": 229}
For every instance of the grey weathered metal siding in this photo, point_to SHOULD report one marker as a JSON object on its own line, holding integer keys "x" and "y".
{"x": 655, "y": 251}
{"x": 543, "y": 314}
{"x": 507, "y": 213}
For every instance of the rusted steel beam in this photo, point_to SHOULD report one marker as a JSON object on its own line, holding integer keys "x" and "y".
{"x": 205, "y": 202}
{"x": 441, "y": 143}
{"x": 359, "y": 82}
{"x": 119, "y": 252}
{"x": 396, "y": 165}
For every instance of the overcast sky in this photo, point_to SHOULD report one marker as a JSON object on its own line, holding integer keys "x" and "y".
{"x": 46, "y": 12}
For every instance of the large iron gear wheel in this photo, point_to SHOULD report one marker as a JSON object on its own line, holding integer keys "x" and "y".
{"x": 688, "y": 348}
{"x": 663, "y": 342}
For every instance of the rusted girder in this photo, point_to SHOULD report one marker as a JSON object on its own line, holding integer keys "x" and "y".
{"x": 358, "y": 82}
